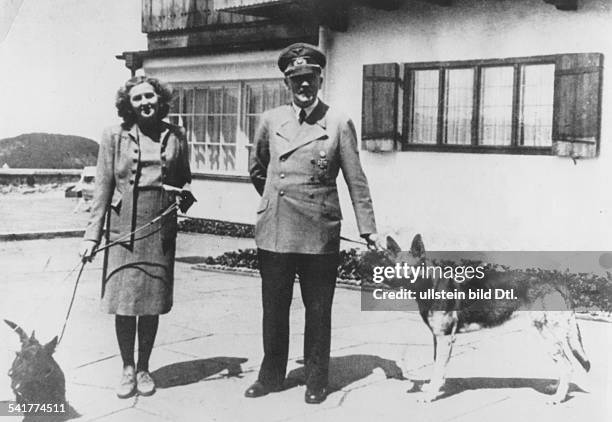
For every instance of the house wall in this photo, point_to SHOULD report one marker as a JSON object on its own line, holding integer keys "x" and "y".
{"x": 455, "y": 200}
{"x": 480, "y": 201}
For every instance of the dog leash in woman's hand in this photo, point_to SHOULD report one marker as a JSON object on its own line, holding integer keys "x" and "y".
{"x": 84, "y": 261}
{"x": 133, "y": 232}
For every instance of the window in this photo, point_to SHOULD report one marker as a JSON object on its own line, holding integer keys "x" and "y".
{"x": 528, "y": 105}
{"x": 513, "y": 110}
{"x": 220, "y": 120}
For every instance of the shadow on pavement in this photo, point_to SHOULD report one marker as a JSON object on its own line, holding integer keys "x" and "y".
{"x": 458, "y": 385}
{"x": 189, "y": 372}
{"x": 345, "y": 370}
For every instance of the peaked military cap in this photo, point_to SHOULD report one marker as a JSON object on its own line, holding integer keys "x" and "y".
{"x": 300, "y": 59}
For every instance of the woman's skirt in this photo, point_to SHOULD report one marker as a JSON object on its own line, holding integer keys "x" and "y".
{"x": 139, "y": 276}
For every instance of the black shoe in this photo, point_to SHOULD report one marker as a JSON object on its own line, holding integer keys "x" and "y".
{"x": 317, "y": 396}
{"x": 258, "y": 389}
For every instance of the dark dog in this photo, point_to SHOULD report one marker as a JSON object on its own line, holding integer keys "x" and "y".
{"x": 447, "y": 317}
{"x": 37, "y": 379}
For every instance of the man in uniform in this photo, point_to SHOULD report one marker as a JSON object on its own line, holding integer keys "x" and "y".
{"x": 298, "y": 151}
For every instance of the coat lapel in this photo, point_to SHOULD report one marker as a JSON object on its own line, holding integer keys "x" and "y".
{"x": 312, "y": 129}
{"x": 133, "y": 133}
{"x": 289, "y": 126}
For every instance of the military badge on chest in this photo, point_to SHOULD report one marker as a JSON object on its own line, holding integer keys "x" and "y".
{"x": 322, "y": 162}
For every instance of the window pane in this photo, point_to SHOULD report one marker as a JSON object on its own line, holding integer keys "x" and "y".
{"x": 187, "y": 101}
{"x": 459, "y": 106}
{"x": 175, "y": 102}
{"x": 215, "y": 100}
{"x": 230, "y": 100}
{"x": 424, "y": 127}
{"x": 495, "y": 126}
{"x": 213, "y": 132}
{"x": 197, "y": 155}
{"x": 200, "y": 101}
{"x": 536, "y": 107}
{"x": 229, "y": 157}
{"x": 229, "y": 124}
{"x": 199, "y": 128}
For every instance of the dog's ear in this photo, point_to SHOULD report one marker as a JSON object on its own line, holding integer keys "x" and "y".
{"x": 32, "y": 337}
{"x": 417, "y": 248}
{"x": 22, "y": 334}
{"x": 50, "y": 347}
{"x": 392, "y": 246}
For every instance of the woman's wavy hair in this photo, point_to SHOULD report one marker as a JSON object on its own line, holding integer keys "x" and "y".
{"x": 124, "y": 107}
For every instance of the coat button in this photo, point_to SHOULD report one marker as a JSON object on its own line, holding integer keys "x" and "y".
{"x": 131, "y": 182}
{"x": 135, "y": 160}
{"x": 135, "y": 151}
{"x": 281, "y": 193}
{"x": 282, "y": 175}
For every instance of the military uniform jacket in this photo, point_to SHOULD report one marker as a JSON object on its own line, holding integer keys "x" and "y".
{"x": 119, "y": 166}
{"x": 294, "y": 168}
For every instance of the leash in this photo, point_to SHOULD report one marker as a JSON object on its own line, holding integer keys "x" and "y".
{"x": 83, "y": 262}
{"x": 359, "y": 242}
{"x": 144, "y": 226}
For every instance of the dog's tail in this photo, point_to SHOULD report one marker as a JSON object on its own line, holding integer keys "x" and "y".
{"x": 574, "y": 340}
{"x": 16, "y": 328}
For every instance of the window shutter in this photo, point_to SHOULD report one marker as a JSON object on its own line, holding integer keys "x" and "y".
{"x": 577, "y": 105}
{"x": 379, "y": 127}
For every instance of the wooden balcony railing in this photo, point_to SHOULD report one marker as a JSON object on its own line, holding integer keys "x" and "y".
{"x": 173, "y": 15}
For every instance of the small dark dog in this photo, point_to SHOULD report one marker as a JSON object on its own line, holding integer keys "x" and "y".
{"x": 37, "y": 379}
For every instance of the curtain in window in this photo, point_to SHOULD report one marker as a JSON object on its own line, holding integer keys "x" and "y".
{"x": 459, "y": 106}
{"x": 495, "y": 126}
{"x": 536, "y": 106}
{"x": 424, "y": 127}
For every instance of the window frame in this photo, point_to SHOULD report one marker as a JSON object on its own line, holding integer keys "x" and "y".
{"x": 242, "y": 116}
{"x": 477, "y": 66}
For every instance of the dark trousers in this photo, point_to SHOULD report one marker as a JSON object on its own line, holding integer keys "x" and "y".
{"x": 317, "y": 283}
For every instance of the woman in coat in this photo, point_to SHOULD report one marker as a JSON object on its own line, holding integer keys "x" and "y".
{"x": 135, "y": 160}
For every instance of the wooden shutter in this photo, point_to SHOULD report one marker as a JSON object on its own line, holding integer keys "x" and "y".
{"x": 379, "y": 112}
{"x": 577, "y": 105}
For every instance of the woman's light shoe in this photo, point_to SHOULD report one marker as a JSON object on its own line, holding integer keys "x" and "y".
{"x": 145, "y": 384}
{"x": 127, "y": 385}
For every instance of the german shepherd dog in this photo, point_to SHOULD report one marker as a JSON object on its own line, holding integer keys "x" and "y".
{"x": 447, "y": 317}
{"x": 37, "y": 379}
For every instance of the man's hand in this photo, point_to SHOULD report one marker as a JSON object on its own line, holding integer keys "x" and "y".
{"x": 372, "y": 241}
{"x": 87, "y": 251}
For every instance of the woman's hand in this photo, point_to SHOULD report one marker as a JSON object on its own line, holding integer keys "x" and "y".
{"x": 87, "y": 250}
{"x": 185, "y": 200}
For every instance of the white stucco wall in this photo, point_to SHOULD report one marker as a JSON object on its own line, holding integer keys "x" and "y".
{"x": 455, "y": 200}
{"x": 480, "y": 201}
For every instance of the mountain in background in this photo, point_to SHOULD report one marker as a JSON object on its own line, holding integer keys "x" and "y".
{"x": 49, "y": 151}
